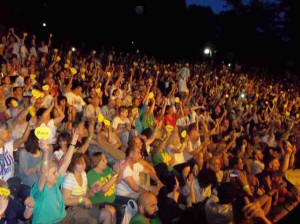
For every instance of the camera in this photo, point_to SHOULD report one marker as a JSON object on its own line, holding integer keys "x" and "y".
{"x": 234, "y": 174}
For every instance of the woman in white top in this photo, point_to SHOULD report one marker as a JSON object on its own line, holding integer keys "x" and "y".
{"x": 75, "y": 193}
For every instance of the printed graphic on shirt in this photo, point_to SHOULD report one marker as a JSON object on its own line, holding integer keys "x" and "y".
{"x": 112, "y": 189}
{"x": 6, "y": 164}
{"x": 121, "y": 127}
{"x": 166, "y": 157}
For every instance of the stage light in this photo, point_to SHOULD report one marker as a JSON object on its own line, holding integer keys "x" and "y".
{"x": 207, "y": 51}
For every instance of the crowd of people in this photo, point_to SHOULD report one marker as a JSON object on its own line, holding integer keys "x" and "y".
{"x": 202, "y": 143}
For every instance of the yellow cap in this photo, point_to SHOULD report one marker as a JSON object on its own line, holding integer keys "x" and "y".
{"x": 151, "y": 95}
{"x": 45, "y": 87}
{"x": 183, "y": 134}
{"x": 98, "y": 90}
{"x": 31, "y": 111}
{"x": 66, "y": 66}
{"x": 55, "y": 50}
{"x": 36, "y": 93}
{"x": 14, "y": 103}
{"x": 58, "y": 58}
{"x": 106, "y": 122}
{"x": 135, "y": 110}
{"x": 42, "y": 132}
{"x": 32, "y": 76}
{"x": 108, "y": 74}
{"x": 4, "y": 192}
{"x": 176, "y": 100}
{"x": 135, "y": 64}
{"x": 100, "y": 118}
{"x": 73, "y": 71}
{"x": 169, "y": 128}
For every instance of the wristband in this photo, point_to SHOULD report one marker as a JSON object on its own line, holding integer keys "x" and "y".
{"x": 80, "y": 200}
{"x": 73, "y": 144}
{"x": 28, "y": 208}
{"x": 44, "y": 162}
{"x": 246, "y": 187}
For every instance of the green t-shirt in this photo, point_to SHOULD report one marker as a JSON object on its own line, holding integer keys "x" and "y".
{"x": 100, "y": 197}
{"x": 49, "y": 204}
{"x": 148, "y": 122}
{"x": 137, "y": 219}
{"x": 162, "y": 157}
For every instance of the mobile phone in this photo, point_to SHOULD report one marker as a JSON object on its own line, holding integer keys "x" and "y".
{"x": 234, "y": 174}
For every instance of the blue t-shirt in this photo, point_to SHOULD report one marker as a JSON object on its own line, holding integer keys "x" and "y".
{"x": 138, "y": 123}
{"x": 49, "y": 203}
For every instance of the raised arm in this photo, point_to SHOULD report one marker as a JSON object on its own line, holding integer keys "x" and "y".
{"x": 25, "y": 136}
{"x": 68, "y": 157}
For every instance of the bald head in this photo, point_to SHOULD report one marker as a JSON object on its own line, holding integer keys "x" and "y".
{"x": 145, "y": 197}
{"x": 147, "y": 205}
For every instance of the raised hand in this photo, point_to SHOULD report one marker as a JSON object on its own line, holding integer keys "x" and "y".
{"x": 29, "y": 202}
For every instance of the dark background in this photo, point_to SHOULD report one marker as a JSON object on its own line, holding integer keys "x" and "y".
{"x": 258, "y": 33}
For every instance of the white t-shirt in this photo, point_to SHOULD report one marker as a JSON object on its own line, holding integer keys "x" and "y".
{"x": 187, "y": 155}
{"x": 217, "y": 213}
{"x": 47, "y": 101}
{"x": 183, "y": 121}
{"x": 20, "y": 81}
{"x": 71, "y": 183}
{"x": 43, "y": 49}
{"x": 178, "y": 157}
{"x": 75, "y": 101}
{"x": 122, "y": 188}
{"x": 91, "y": 111}
{"x": 119, "y": 124}
{"x": 257, "y": 167}
{"x": 16, "y": 49}
{"x": 7, "y": 161}
{"x": 52, "y": 127}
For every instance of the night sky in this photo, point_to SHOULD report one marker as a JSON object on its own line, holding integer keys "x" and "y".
{"x": 216, "y": 5}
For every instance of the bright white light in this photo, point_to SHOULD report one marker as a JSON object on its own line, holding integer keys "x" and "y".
{"x": 206, "y": 51}
{"x": 229, "y": 65}
{"x": 44, "y": 24}
{"x": 132, "y": 42}
{"x": 73, "y": 49}
{"x": 243, "y": 95}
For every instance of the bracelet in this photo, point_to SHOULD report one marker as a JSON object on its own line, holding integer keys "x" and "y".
{"x": 29, "y": 208}
{"x": 73, "y": 144}
{"x": 246, "y": 187}
{"x": 44, "y": 162}
{"x": 80, "y": 200}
